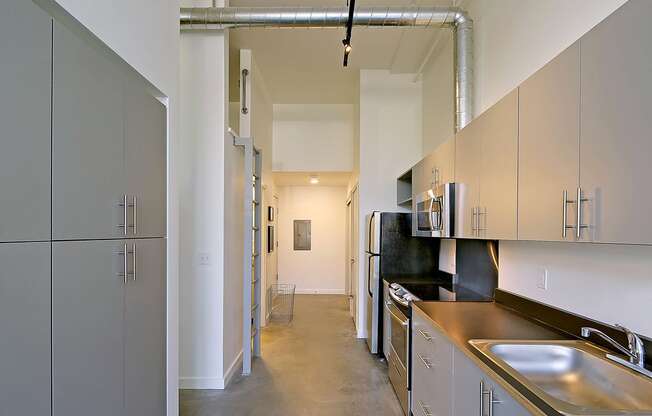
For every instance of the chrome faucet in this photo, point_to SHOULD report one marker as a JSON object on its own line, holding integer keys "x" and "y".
{"x": 635, "y": 350}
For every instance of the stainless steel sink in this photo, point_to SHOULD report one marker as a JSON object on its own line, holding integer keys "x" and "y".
{"x": 572, "y": 377}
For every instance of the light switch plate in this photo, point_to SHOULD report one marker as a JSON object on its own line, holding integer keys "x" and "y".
{"x": 204, "y": 259}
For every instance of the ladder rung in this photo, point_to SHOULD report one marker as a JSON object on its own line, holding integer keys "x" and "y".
{"x": 255, "y": 202}
{"x": 255, "y": 254}
{"x": 255, "y": 228}
{"x": 253, "y": 282}
{"x": 253, "y": 308}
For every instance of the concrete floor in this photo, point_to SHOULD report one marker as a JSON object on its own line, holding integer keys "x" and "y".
{"x": 313, "y": 367}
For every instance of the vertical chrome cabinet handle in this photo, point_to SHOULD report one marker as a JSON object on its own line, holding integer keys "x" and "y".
{"x": 492, "y": 401}
{"x": 245, "y": 110}
{"x": 473, "y": 219}
{"x": 134, "y": 206}
{"x": 426, "y": 361}
{"x": 135, "y": 262}
{"x": 482, "y": 393}
{"x": 125, "y": 263}
{"x": 425, "y": 335}
{"x": 123, "y": 204}
{"x": 579, "y": 212}
{"x": 564, "y": 218}
{"x": 425, "y": 410}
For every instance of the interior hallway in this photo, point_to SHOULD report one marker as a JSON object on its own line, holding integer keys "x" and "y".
{"x": 313, "y": 367}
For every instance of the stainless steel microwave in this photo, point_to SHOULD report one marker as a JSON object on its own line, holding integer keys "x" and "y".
{"x": 433, "y": 212}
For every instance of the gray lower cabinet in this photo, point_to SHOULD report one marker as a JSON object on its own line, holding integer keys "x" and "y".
{"x": 25, "y": 44}
{"x": 88, "y": 328}
{"x": 445, "y": 382}
{"x": 432, "y": 370}
{"x": 477, "y": 394}
{"x": 145, "y": 329}
{"x": 25, "y": 328}
{"x": 108, "y": 334}
{"x": 615, "y": 145}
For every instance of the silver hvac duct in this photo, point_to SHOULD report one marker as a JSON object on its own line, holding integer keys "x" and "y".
{"x": 218, "y": 18}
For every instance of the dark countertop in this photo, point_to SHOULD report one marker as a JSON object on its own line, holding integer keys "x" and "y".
{"x": 463, "y": 321}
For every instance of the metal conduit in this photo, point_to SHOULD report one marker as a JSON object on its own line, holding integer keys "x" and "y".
{"x": 219, "y": 18}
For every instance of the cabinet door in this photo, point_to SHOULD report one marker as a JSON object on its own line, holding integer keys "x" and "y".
{"x": 444, "y": 161}
{"x": 470, "y": 382}
{"x": 549, "y": 123}
{"x": 432, "y": 369}
{"x": 25, "y": 328}
{"x": 505, "y": 405}
{"x": 88, "y": 141}
{"x": 430, "y": 173}
{"x": 145, "y": 132}
{"x": 145, "y": 329}
{"x": 615, "y": 144}
{"x": 88, "y": 328}
{"x": 418, "y": 183}
{"x": 499, "y": 176}
{"x": 25, "y": 44}
{"x": 466, "y": 385}
{"x": 468, "y": 149}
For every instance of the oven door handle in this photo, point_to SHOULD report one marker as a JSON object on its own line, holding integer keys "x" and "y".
{"x": 398, "y": 318}
{"x": 397, "y": 299}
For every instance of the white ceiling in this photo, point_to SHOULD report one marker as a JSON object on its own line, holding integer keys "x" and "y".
{"x": 305, "y": 65}
{"x": 303, "y": 178}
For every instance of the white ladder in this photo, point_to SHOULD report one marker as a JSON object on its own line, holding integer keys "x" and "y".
{"x": 252, "y": 252}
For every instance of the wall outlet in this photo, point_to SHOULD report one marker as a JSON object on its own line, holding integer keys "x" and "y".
{"x": 543, "y": 279}
{"x": 204, "y": 259}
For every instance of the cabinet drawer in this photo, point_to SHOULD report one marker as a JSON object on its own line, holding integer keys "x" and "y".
{"x": 431, "y": 345}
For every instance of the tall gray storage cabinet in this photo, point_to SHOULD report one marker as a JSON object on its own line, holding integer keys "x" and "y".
{"x": 25, "y": 90}
{"x": 82, "y": 225}
{"x": 108, "y": 227}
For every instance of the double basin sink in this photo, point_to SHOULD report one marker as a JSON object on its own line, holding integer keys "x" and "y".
{"x": 571, "y": 377}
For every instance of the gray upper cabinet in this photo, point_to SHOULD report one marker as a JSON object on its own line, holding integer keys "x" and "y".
{"x": 418, "y": 182}
{"x": 25, "y": 328}
{"x": 88, "y": 331}
{"x": 88, "y": 141}
{"x": 25, "y": 45}
{"x": 497, "y": 216}
{"x": 145, "y": 329}
{"x": 468, "y": 162}
{"x": 615, "y": 143}
{"x": 145, "y": 131}
{"x": 549, "y": 133}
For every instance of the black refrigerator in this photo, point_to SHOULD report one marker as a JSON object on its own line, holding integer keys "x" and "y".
{"x": 390, "y": 249}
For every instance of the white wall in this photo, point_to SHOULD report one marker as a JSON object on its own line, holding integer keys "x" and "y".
{"x": 202, "y": 210}
{"x": 390, "y": 141}
{"x": 314, "y": 137}
{"x": 322, "y": 269}
{"x": 610, "y": 283}
{"x": 145, "y": 33}
{"x": 438, "y": 92}
{"x": 514, "y": 38}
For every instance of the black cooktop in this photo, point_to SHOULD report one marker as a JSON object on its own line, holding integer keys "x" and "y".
{"x": 444, "y": 292}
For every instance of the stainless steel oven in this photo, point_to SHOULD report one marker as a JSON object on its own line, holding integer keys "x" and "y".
{"x": 433, "y": 212}
{"x": 398, "y": 307}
